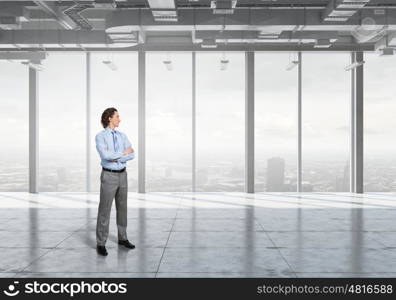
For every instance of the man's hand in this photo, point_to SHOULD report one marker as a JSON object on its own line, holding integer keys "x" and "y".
{"x": 128, "y": 150}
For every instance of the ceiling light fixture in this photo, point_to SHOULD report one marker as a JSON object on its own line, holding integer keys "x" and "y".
{"x": 112, "y": 66}
{"x": 224, "y": 62}
{"x": 168, "y": 62}
{"x": 292, "y": 62}
{"x": 354, "y": 65}
{"x": 292, "y": 65}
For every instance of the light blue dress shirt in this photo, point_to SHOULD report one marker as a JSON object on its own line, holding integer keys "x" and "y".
{"x": 111, "y": 154}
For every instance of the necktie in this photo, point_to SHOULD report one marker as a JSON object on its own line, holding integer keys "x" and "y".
{"x": 115, "y": 141}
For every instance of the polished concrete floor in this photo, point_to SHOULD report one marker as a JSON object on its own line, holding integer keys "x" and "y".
{"x": 202, "y": 235}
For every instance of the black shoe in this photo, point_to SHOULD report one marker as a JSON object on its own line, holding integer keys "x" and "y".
{"x": 126, "y": 243}
{"x": 101, "y": 250}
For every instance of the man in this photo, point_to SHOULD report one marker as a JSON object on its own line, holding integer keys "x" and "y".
{"x": 114, "y": 150}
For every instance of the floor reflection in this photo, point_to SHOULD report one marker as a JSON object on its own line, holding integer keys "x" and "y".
{"x": 202, "y": 235}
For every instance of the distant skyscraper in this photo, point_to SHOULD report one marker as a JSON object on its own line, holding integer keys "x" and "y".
{"x": 275, "y": 174}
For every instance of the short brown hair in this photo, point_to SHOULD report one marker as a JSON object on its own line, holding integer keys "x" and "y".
{"x": 108, "y": 113}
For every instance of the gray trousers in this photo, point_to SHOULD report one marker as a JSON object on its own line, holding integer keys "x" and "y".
{"x": 112, "y": 185}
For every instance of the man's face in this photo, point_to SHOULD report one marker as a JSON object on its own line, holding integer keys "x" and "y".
{"x": 115, "y": 119}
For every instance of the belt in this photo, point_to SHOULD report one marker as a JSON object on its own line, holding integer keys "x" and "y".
{"x": 116, "y": 171}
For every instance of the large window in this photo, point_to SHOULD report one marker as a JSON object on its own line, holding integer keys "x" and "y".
{"x": 379, "y": 123}
{"x": 114, "y": 84}
{"x": 275, "y": 122}
{"x": 169, "y": 127}
{"x": 62, "y": 117}
{"x": 220, "y": 124}
{"x": 220, "y": 135}
{"x": 326, "y": 96}
{"x": 14, "y": 131}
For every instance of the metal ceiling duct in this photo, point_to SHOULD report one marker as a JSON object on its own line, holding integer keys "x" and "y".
{"x": 105, "y": 4}
{"x": 73, "y": 12}
{"x": 223, "y": 7}
{"x": 170, "y": 23}
{"x": 342, "y": 10}
{"x": 163, "y": 10}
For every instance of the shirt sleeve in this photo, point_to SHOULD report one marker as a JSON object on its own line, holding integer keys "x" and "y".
{"x": 104, "y": 153}
{"x": 128, "y": 156}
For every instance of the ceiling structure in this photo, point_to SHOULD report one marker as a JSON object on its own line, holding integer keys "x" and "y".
{"x": 198, "y": 25}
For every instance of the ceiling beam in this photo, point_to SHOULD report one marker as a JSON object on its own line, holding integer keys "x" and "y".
{"x": 229, "y": 47}
{"x": 242, "y": 19}
{"x": 97, "y": 39}
{"x": 23, "y": 55}
{"x": 58, "y": 38}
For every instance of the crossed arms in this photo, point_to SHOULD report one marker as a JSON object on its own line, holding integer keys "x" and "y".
{"x": 127, "y": 154}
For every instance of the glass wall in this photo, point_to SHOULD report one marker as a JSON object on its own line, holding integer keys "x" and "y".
{"x": 276, "y": 90}
{"x": 114, "y": 83}
{"x": 220, "y": 135}
{"x": 169, "y": 121}
{"x": 326, "y": 89}
{"x": 379, "y": 123}
{"x": 14, "y": 132}
{"x": 62, "y": 130}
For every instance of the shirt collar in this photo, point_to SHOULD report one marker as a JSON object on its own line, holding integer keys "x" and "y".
{"x": 109, "y": 129}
